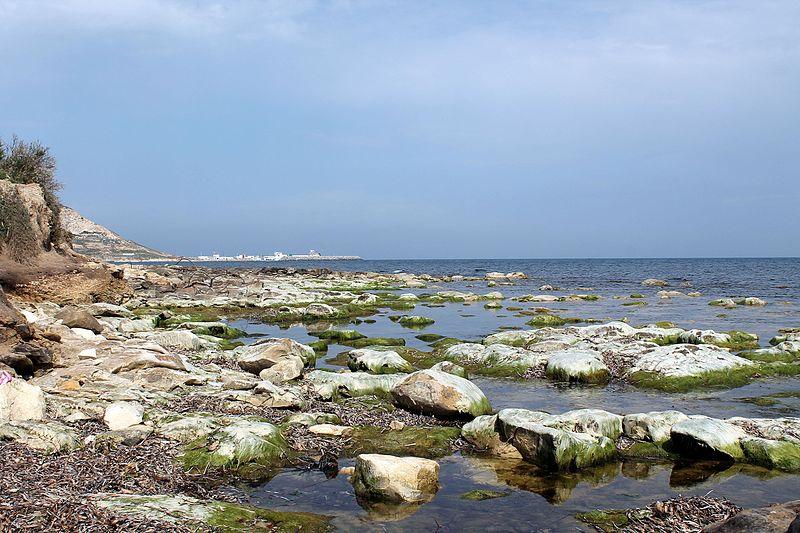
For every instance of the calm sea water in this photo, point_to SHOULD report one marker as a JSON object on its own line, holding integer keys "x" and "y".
{"x": 539, "y": 501}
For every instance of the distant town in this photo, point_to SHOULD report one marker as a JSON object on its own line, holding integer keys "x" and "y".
{"x": 312, "y": 255}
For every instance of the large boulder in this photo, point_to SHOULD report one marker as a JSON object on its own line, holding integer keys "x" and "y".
{"x": 265, "y": 353}
{"x": 20, "y": 400}
{"x": 395, "y": 479}
{"x": 377, "y": 361}
{"x": 440, "y": 394}
{"x": 558, "y": 449}
{"x": 481, "y": 432}
{"x": 701, "y": 436}
{"x": 75, "y": 317}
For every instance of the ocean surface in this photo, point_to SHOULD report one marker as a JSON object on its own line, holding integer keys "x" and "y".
{"x": 541, "y": 501}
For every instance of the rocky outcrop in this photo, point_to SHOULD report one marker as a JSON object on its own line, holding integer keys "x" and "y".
{"x": 440, "y": 394}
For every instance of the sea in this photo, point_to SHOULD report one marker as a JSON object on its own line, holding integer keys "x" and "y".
{"x": 534, "y": 500}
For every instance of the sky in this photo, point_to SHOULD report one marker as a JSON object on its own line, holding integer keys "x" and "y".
{"x": 429, "y": 129}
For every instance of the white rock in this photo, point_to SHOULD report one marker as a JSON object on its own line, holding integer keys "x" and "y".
{"x": 19, "y": 400}
{"x": 395, "y": 479}
{"x": 440, "y": 394}
{"x": 654, "y": 426}
{"x": 121, "y": 415}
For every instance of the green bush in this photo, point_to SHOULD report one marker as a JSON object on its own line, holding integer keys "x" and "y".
{"x": 16, "y": 232}
{"x": 22, "y": 162}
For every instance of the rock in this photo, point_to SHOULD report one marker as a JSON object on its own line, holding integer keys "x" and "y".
{"x": 654, "y": 426}
{"x": 780, "y": 455}
{"x": 20, "y": 400}
{"x": 180, "y": 340}
{"x": 728, "y": 303}
{"x": 270, "y": 395}
{"x": 482, "y": 434}
{"x": 511, "y": 338}
{"x": 450, "y": 368}
{"x": 364, "y": 299}
{"x": 234, "y": 380}
{"x": 594, "y": 422}
{"x": 414, "y": 321}
{"x": 408, "y": 297}
{"x": 109, "y": 310}
{"x": 666, "y": 295}
{"x": 130, "y": 436}
{"x": 188, "y": 512}
{"x": 440, "y": 394}
{"x": 121, "y": 415}
{"x": 681, "y": 360}
{"x": 653, "y": 282}
{"x": 318, "y": 310}
{"x": 579, "y": 366}
{"x": 395, "y": 479}
{"x": 701, "y": 436}
{"x": 75, "y": 317}
{"x": 314, "y": 418}
{"x": 244, "y": 441}
{"x": 265, "y": 353}
{"x": 494, "y": 295}
{"x": 558, "y": 449}
{"x": 778, "y": 518}
{"x": 190, "y": 428}
{"x": 139, "y": 325}
{"x": 286, "y": 369}
{"x": 48, "y": 437}
{"x": 329, "y": 384}
{"x": 330, "y": 430}
{"x": 751, "y": 300}
{"x": 377, "y": 361}
{"x": 139, "y": 359}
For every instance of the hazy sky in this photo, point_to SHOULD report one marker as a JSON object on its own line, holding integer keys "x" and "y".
{"x": 418, "y": 129}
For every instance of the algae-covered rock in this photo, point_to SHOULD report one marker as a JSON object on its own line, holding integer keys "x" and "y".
{"x": 511, "y": 338}
{"x": 777, "y": 454}
{"x": 481, "y": 432}
{"x": 440, "y": 394}
{"x": 594, "y": 422}
{"x": 395, "y": 479}
{"x": 415, "y": 321}
{"x": 558, "y": 449}
{"x": 578, "y": 366}
{"x": 701, "y": 436}
{"x": 682, "y": 360}
{"x": 450, "y": 368}
{"x": 246, "y": 440}
{"x": 377, "y": 361}
{"x": 217, "y": 515}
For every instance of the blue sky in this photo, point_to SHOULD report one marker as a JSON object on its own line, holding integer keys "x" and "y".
{"x": 418, "y": 129}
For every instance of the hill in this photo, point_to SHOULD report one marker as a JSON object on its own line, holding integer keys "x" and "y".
{"x": 91, "y": 239}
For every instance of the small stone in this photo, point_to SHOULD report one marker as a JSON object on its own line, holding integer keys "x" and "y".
{"x": 395, "y": 479}
{"x": 121, "y": 415}
{"x": 330, "y": 430}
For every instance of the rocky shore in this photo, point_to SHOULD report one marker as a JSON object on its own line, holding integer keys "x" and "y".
{"x": 144, "y": 410}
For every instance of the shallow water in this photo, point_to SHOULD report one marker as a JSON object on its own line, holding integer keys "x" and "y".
{"x": 542, "y": 501}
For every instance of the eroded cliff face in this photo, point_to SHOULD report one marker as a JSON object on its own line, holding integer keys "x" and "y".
{"x": 48, "y": 271}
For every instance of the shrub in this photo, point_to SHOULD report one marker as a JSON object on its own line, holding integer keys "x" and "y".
{"x": 22, "y": 162}
{"x": 15, "y": 228}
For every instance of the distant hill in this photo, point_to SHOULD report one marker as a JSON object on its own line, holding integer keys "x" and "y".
{"x": 94, "y": 240}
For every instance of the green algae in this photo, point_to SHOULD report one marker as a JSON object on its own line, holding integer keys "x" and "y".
{"x": 609, "y": 520}
{"x": 374, "y": 341}
{"x": 716, "y": 379}
{"x": 547, "y": 320}
{"x": 429, "y": 337}
{"x": 339, "y": 335}
{"x": 479, "y": 495}
{"x": 428, "y": 442}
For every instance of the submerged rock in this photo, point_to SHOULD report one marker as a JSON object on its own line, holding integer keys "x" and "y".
{"x": 395, "y": 479}
{"x": 440, "y": 394}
